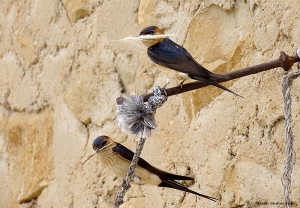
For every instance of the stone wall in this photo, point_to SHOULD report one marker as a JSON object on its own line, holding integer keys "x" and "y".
{"x": 61, "y": 71}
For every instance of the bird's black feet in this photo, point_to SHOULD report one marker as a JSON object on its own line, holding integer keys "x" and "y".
{"x": 181, "y": 83}
{"x": 163, "y": 89}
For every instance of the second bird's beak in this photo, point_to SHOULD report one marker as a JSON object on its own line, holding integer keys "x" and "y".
{"x": 97, "y": 150}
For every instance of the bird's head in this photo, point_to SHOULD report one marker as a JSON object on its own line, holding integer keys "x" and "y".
{"x": 102, "y": 142}
{"x": 151, "y": 35}
{"x": 152, "y": 30}
{"x": 99, "y": 144}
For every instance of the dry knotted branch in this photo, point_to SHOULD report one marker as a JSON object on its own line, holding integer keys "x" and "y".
{"x": 284, "y": 61}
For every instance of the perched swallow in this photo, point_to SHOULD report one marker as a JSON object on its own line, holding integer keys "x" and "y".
{"x": 117, "y": 159}
{"x": 163, "y": 51}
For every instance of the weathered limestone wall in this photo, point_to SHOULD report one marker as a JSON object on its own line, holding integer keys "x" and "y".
{"x": 60, "y": 72}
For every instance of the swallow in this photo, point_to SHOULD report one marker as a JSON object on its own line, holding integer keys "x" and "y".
{"x": 117, "y": 159}
{"x": 164, "y": 52}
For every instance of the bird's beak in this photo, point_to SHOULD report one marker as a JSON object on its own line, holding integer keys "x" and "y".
{"x": 97, "y": 150}
{"x": 146, "y": 37}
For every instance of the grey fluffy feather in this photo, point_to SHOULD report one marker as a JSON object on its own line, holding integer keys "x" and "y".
{"x": 135, "y": 116}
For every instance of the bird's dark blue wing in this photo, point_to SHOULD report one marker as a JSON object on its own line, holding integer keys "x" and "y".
{"x": 127, "y": 154}
{"x": 168, "y": 179}
{"x": 173, "y": 56}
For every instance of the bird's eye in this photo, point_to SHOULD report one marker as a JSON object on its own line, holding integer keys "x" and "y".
{"x": 104, "y": 143}
{"x": 99, "y": 142}
{"x": 148, "y": 33}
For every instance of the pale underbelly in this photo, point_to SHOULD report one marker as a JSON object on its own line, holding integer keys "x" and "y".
{"x": 172, "y": 74}
{"x": 119, "y": 167}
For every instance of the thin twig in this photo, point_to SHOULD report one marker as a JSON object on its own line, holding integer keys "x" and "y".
{"x": 130, "y": 173}
{"x": 283, "y": 61}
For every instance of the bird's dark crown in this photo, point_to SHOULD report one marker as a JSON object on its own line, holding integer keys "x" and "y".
{"x": 151, "y": 30}
{"x": 100, "y": 142}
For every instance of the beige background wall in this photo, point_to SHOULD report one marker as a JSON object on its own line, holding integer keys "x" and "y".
{"x": 60, "y": 73}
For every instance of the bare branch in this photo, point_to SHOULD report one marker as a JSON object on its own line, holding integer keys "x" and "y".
{"x": 284, "y": 61}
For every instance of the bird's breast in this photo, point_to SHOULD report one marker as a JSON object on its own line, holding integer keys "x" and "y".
{"x": 172, "y": 74}
{"x": 147, "y": 177}
{"x": 113, "y": 163}
{"x": 119, "y": 167}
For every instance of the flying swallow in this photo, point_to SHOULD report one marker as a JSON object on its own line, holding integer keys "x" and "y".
{"x": 117, "y": 159}
{"x": 163, "y": 51}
